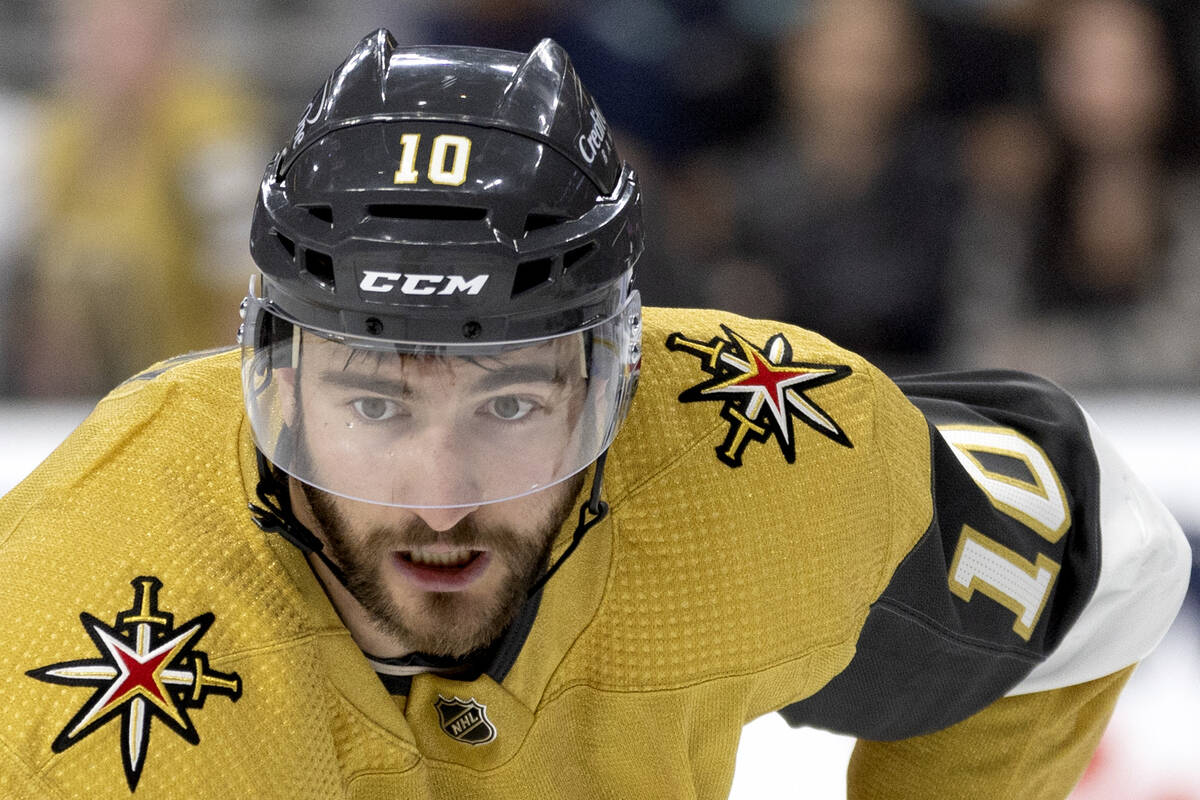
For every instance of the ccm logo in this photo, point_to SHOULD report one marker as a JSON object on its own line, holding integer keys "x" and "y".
{"x": 420, "y": 284}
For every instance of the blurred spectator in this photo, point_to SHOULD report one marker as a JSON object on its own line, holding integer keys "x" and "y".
{"x": 1097, "y": 283}
{"x": 502, "y": 24}
{"x": 983, "y": 52}
{"x": 146, "y": 168}
{"x": 820, "y": 186}
{"x": 15, "y": 130}
{"x": 674, "y": 74}
{"x": 1008, "y": 155}
{"x": 675, "y": 77}
{"x": 847, "y": 205}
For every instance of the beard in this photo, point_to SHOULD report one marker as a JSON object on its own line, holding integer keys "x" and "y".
{"x": 454, "y": 624}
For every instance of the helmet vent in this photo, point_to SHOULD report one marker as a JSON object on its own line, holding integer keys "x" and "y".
{"x": 575, "y": 255}
{"x": 454, "y": 213}
{"x": 319, "y": 265}
{"x": 531, "y": 274}
{"x": 323, "y": 213}
{"x": 535, "y": 222}
{"x": 287, "y": 243}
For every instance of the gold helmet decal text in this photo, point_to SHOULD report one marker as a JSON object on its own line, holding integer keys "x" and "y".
{"x": 147, "y": 668}
{"x": 762, "y": 390}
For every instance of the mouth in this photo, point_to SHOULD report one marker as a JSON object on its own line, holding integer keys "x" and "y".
{"x": 440, "y": 568}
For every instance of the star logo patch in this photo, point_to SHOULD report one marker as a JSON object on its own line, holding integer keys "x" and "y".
{"x": 147, "y": 668}
{"x": 762, "y": 389}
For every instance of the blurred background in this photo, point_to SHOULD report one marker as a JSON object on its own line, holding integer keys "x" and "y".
{"x": 933, "y": 183}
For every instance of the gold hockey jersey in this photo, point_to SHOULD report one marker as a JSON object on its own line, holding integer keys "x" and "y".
{"x": 787, "y": 531}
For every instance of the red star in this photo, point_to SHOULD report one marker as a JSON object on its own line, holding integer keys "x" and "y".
{"x": 766, "y": 382}
{"x": 139, "y": 675}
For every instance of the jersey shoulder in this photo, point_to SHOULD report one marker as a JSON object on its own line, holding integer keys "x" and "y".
{"x": 154, "y": 481}
{"x": 763, "y": 488}
{"x": 182, "y": 404}
{"x": 134, "y": 539}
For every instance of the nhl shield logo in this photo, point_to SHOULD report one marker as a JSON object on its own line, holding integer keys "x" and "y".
{"x": 465, "y": 720}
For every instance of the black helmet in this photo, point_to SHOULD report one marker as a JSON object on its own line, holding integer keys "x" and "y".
{"x": 448, "y": 194}
{"x": 451, "y": 203}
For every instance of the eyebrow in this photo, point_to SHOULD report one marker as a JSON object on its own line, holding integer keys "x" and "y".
{"x": 516, "y": 374}
{"x": 493, "y": 379}
{"x": 366, "y": 383}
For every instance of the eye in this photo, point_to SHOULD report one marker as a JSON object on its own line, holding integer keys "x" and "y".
{"x": 510, "y": 407}
{"x": 375, "y": 409}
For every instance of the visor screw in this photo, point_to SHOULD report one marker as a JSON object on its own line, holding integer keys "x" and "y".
{"x": 374, "y": 326}
{"x": 472, "y": 329}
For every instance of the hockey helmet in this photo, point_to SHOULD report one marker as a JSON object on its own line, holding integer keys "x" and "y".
{"x": 446, "y": 247}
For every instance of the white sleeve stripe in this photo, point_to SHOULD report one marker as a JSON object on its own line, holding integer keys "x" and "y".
{"x": 1145, "y": 562}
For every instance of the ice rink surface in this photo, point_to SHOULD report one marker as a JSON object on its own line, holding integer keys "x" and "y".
{"x": 1151, "y": 750}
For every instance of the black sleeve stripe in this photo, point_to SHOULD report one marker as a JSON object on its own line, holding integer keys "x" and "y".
{"x": 928, "y": 656}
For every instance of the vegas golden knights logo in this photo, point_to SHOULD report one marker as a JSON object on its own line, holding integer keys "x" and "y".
{"x": 465, "y": 720}
{"x": 148, "y": 668}
{"x": 762, "y": 390}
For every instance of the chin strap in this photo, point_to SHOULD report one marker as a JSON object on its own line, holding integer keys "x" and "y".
{"x": 275, "y": 516}
{"x": 597, "y": 508}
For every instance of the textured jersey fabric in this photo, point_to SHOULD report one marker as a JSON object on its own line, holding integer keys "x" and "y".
{"x": 153, "y": 639}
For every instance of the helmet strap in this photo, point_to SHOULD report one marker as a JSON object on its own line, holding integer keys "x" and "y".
{"x": 597, "y": 508}
{"x": 275, "y": 515}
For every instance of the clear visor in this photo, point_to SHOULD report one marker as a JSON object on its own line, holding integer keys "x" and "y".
{"x": 430, "y": 426}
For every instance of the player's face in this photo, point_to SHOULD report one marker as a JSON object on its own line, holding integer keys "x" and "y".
{"x": 443, "y": 580}
{"x": 425, "y": 431}
{"x": 442, "y": 590}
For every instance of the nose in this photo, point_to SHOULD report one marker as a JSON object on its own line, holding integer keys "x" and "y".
{"x": 440, "y": 478}
{"x": 443, "y": 519}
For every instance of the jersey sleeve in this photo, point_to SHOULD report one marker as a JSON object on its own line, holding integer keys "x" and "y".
{"x": 18, "y": 780}
{"x": 1032, "y": 746}
{"x": 1046, "y": 565}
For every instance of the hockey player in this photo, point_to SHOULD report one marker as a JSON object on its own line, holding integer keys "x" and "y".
{"x": 419, "y": 540}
